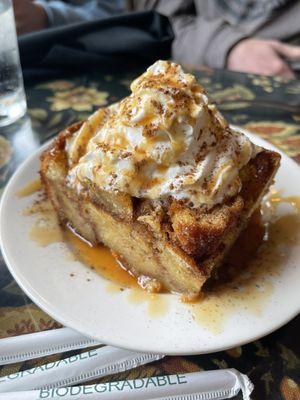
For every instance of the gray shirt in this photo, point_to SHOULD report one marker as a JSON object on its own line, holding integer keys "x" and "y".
{"x": 206, "y": 30}
{"x": 71, "y": 11}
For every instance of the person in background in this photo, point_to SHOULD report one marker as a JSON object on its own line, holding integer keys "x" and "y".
{"x": 241, "y": 35}
{"x": 40, "y": 14}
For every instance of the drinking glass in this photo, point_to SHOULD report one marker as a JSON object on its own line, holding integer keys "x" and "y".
{"x": 12, "y": 96}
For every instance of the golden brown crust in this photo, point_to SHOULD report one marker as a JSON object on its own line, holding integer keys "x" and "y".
{"x": 256, "y": 174}
{"x": 197, "y": 239}
{"x": 59, "y": 143}
{"x": 199, "y": 232}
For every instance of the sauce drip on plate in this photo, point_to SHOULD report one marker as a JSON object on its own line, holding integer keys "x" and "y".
{"x": 244, "y": 283}
{"x": 157, "y": 303}
{"x": 30, "y": 188}
{"x": 100, "y": 259}
{"x": 246, "y": 280}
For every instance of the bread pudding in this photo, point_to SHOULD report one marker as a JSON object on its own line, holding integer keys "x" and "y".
{"x": 161, "y": 179}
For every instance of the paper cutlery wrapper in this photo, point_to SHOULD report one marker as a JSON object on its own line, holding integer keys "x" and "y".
{"x": 78, "y": 368}
{"x": 212, "y": 385}
{"x": 40, "y": 344}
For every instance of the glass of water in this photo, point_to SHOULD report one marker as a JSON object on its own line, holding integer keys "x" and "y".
{"x": 12, "y": 96}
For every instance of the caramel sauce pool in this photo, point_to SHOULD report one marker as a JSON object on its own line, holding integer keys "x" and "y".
{"x": 248, "y": 273}
{"x": 157, "y": 304}
{"x": 275, "y": 199}
{"x": 46, "y": 230}
{"x": 245, "y": 282}
{"x": 104, "y": 263}
{"x": 101, "y": 260}
{"x": 30, "y": 188}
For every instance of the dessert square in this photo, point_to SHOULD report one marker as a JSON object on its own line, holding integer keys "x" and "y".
{"x": 161, "y": 179}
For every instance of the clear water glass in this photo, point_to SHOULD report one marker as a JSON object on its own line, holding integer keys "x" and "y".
{"x": 12, "y": 96}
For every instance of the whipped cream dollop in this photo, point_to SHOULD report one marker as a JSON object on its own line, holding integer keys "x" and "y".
{"x": 164, "y": 140}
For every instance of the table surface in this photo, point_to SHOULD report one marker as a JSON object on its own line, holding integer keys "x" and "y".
{"x": 269, "y": 107}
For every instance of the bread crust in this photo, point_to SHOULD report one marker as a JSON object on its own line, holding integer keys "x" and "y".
{"x": 195, "y": 240}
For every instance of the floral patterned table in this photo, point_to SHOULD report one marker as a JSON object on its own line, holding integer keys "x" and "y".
{"x": 267, "y": 106}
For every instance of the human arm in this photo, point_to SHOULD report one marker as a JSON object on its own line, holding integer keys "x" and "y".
{"x": 266, "y": 57}
{"x": 29, "y": 16}
{"x": 40, "y": 14}
{"x": 204, "y": 35}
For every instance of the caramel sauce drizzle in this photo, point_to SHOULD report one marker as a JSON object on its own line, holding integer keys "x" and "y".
{"x": 247, "y": 277}
{"x": 245, "y": 282}
{"x": 45, "y": 229}
{"x": 100, "y": 259}
{"x": 30, "y": 188}
{"x": 157, "y": 303}
{"x": 294, "y": 201}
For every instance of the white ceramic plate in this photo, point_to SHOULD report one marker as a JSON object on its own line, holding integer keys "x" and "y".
{"x": 88, "y": 307}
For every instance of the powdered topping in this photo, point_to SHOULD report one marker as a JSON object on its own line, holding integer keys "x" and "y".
{"x": 164, "y": 140}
